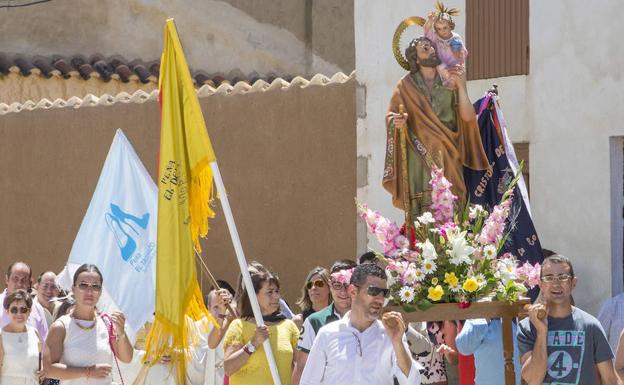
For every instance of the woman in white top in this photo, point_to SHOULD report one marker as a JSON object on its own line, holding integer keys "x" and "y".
{"x": 20, "y": 344}
{"x": 80, "y": 343}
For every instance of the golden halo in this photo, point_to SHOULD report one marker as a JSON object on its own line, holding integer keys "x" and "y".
{"x": 396, "y": 39}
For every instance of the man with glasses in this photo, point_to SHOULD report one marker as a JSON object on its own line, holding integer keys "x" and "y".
{"x": 19, "y": 276}
{"x": 339, "y": 307}
{"x": 358, "y": 348}
{"x": 567, "y": 345}
{"x": 47, "y": 292}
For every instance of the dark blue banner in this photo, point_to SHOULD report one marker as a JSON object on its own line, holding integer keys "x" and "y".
{"x": 487, "y": 187}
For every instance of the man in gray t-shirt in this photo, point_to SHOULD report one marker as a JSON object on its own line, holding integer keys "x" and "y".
{"x": 575, "y": 344}
{"x": 568, "y": 346}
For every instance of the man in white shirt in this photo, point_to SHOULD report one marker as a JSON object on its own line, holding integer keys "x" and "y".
{"x": 19, "y": 276}
{"x": 360, "y": 349}
{"x": 47, "y": 292}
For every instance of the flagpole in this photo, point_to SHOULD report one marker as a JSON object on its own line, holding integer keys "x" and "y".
{"x": 242, "y": 261}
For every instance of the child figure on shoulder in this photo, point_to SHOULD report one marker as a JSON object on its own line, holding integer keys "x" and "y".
{"x": 449, "y": 46}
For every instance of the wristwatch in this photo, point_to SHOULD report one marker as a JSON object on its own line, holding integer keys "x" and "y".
{"x": 249, "y": 348}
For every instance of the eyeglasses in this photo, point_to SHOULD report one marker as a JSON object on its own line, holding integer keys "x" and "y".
{"x": 374, "y": 291}
{"x": 553, "y": 278}
{"x": 48, "y": 286}
{"x": 339, "y": 285}
{"x": 21, "y": 309}
{"x": 92, "y": 286}
{"x": 319, "y": 284}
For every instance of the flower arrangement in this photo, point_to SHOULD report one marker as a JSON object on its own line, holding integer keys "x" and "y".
{"x": 453, "y": 257}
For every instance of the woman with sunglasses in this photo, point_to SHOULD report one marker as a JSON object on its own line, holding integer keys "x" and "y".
{"x": 20, "y": 345}
{"x": 83, "y": 344}
{"x": 315, "y": 294}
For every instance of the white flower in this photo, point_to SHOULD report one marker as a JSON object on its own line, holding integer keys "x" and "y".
{"x": 489, "y": 252}
{"x": 474, "y": 211}
{"x": 481, "y": 280}
{"x": 407, "y": 294}
{"x": 507, "y": 270}
{"x": 419, "y": 275}
{"x": 429, "y": 266}
{"x": 426, "y": 218}
{"x": 455, "y": 288}
{"x": 416, "y": 225}
{"x": 460, "y": 250}
{"x": 428, "y": 250}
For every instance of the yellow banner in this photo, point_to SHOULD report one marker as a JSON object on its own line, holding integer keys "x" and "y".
{"x": 185, "y": 190}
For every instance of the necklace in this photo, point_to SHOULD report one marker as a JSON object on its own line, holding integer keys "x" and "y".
{"x": 86, "y": 328}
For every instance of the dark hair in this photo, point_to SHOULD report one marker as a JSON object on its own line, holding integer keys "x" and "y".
{"x": 557, "y": 259}
{"x": 304, "y": 302}
{"x": 10, "y": 269}
{"x": 88, "y": 268}
{"x": 259, "y": 276}
{"x": 63, "y": 308}
{"x": 361, "y": 272}
{"x": 342, "y": 264}
{"x": 547, "y": 253}
{"x": 17, "y": 295}
{"x": 225, "y": 285}
{"x": 368, "y": 257}
{"x": 411, "y": 51}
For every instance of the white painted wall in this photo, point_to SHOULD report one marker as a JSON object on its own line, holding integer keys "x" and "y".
{"x": 567, "y": 108}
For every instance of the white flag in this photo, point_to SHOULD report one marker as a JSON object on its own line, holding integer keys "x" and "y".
{"x": 118, "y": 235}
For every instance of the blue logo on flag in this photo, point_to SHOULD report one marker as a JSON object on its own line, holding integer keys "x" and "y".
{"x": 131, "y": 236}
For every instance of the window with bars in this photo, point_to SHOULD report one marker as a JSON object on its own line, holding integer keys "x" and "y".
{"x": 497, "y": 38}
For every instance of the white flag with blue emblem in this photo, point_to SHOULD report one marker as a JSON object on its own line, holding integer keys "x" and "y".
{"x": 118, "y": 235}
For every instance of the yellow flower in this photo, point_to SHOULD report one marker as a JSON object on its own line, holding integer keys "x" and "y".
{"x": 451, "y": 279}
{"x": 434, "y": 280}
{"x": 471, "y": 285}
{"x": 435, "y": 293}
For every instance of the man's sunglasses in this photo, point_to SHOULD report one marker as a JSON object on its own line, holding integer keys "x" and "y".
{"x": 21, "y": 309}
{"x": 318, "y": 283}
{"x": 86, "y": 286}
{"x": 374, "y": 291}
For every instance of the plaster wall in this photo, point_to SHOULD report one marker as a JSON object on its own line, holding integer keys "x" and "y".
{"x": 567, "y": 108}
{"x": 282, "y": 37}
{"x": 289, "y": 170}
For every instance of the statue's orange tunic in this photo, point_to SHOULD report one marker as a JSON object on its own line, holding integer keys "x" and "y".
{"x": 431, "y": 141}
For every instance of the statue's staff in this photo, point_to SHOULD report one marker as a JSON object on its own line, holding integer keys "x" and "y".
{"x": 404, "y": 174}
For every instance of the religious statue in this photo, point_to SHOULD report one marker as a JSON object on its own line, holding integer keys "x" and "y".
{"x": 430, "y": 121}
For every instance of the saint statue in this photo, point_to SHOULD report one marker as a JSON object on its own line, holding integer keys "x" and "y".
{"x": 430, "y": 121}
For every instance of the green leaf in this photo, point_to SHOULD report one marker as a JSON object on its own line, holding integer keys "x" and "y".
{"x": 408, "y": 308}
{"x": 424, "y": 304}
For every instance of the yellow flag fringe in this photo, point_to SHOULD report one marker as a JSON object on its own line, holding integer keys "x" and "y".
{"x": 200, "y": 201}
{"x": 165, "y": 338}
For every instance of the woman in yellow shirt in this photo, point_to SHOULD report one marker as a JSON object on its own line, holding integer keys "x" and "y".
{"x": 245, "y": 361}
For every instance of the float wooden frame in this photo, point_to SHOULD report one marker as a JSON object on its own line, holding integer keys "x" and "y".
{"x": 486, "y": 309}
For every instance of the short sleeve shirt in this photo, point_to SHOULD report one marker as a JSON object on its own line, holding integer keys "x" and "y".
{"x": 312, "y": 324}
{"x": 575, "y": 344}
{"x": 283, "y": 338}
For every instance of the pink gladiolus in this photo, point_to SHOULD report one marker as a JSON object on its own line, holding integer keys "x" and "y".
{"x": 494, "y": 226}
{"x": 443, "y": 229}
{"x": 441, "y": 196}
{"x": 530, "y": 274}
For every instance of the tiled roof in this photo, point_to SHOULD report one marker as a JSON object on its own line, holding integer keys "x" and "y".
{"x": 113, "y": 68}
{"x": 140, "y": 96}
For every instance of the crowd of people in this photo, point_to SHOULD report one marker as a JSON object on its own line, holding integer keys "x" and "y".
{"x": 342, "y": 334}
